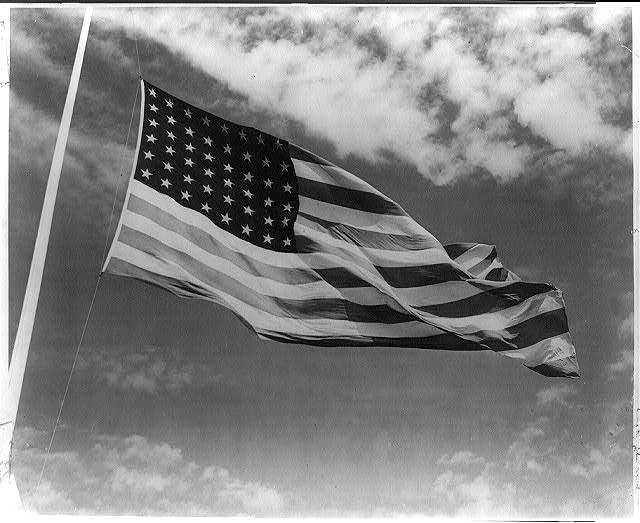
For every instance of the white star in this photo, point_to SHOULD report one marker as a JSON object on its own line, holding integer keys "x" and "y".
{"x": 248, "y": 176}
{"x": 151, "y": 138}
{"x": 247, "y": 156}
{"x": 171, "y": 120}
{"x": 268, "y": 202}
{"x": 153, "y": 123}
{"x": 206, "y": 121}
{"x": 169, "y": 103}
{"x": 171, "y": 135}
{"x": 189, "y": 131}
{"x": 187, "y": 113}
{"x": 227, "y": 149}
{"x": 189, "y": 147}
{"x": 208, "y": 172}
{"x": 246, "y": 230}
{"x": 207, "y": 140}
{"x": 285, "y": 221}
{"x": 165, "y": 183}
{"x": 170, "y": 150}
{"x": 266, "y": 162}
{"x": 288, "y": 207}
{"x": 267, "y": 239}
{"x": 205, "y": 207}
{"x": 148, "y": 155}
{"x": 224, "y": 128}
{"x": 228, "y": 199}
{"x": 146, "y": 173}
{"x": 188, "y": 179}
{"x": 248, "y": 210}
{"x": 228, "y": 183}
{"x": 268, "y": 183}
{"x": 287, "y": 242}
{"x": 285, "y": 167}
{"x": 243, "y": 135}
{"x": 268, "y": 220}
{"x": 225, "y": 218}
{"x": 287, "y": 187}
{"x": 168, "y": 166}
{"x": 278, "y": 143}
{"x": 207, "y": 156}
{"x": 153, "y": 108}
{"x": 207, "y": 189}
{"x": 185, "y": 195}
{"x": 260, "y": 139}
{"x": 152, "y": 93}
{"x": 228, "y": 167}
{"x": 188, "y": 161}
{"x": 248, "y": 193}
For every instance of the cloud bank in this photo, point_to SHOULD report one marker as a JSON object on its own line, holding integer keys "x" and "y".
{"x": 449, "y": 91}
{"x": 134, "y": 475}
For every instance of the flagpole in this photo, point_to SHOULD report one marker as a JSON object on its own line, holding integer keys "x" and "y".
{"x": 11, "y": 395}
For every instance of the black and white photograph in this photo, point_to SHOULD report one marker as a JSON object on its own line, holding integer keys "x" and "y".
{"x": 329, "y": 261}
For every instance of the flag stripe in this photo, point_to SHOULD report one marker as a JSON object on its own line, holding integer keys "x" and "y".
{"x": 364, "y": 238}
{"x": 361, "y": 219}
{"x": 351, "y": 198}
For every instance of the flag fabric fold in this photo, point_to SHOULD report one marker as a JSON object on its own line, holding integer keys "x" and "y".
{"x": 305, "y": 252}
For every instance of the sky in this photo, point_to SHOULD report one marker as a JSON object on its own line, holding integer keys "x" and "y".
{"x": 508, "y": 126}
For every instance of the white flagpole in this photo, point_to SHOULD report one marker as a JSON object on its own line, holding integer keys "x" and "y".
{"x": 11, "y": 395}
{"x": 4, "y": 195}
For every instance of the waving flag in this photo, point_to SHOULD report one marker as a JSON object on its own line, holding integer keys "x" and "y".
{"x": 305, "y": 252}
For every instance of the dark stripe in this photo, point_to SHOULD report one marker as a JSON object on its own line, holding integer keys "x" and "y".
{"x": 489, "y": 301}
{"x": 306, "y": 156}
{"x": 312, "y": 308}
{"x": 342, "y": 278}
{"x": 419, "y": 276}
{"x": 437, "y": 342}
{"x": 497, "y": 274}
{"x": 351, "y": 198}
{"x": 363, "y": 238}
{"x": 456, "y": 249}
{"x": 483, "y": 264}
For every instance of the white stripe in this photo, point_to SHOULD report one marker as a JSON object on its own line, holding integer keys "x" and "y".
{"x": 475, "y": 255}
{"x": 333, "y": 175}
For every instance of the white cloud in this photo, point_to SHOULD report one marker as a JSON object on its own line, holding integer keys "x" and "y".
{"x": 622, "y": 365}
{"x": 134, "y": 475}
{"x": 356, "y": 77}
{"x": 147, "y": 369}
{"x": 555, "y": 394}
{"x": 625, "y": 330}
{"x": 462, "y": 457}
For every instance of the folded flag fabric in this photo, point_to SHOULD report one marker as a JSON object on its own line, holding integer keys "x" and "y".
{"x": 305, "y": 252}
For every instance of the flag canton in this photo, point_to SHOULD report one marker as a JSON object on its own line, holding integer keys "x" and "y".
{"x": 240, "y": 178}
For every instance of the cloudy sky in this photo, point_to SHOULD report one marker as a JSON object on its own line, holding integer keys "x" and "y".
{"x": 508, "y": 126}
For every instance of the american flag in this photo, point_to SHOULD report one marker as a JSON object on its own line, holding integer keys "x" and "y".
{"x": 305, "y": 252}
